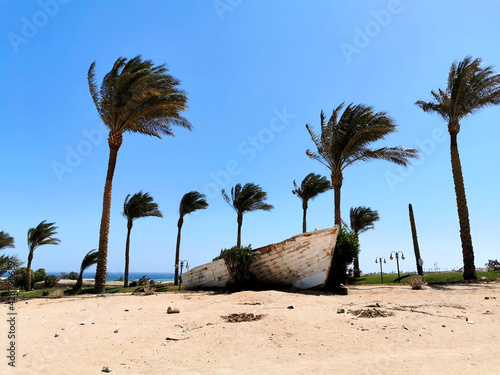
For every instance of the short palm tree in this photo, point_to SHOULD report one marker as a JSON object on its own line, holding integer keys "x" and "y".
{"x": 345, "y": 140}
{"x": 470, "y": 88}
{"x": 135, "y": 96}
{"x": 43, "y": 234}
{"x": 88, "y": 260}
{"x": 248, "y": 198}
{"x": 190, "y": 202}
{"x": 311, "y": 186}
{"x": 362, "y": 219}
{"x": 136, "y": 206}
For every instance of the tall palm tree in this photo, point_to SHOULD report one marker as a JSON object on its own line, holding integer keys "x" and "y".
{"x": 362, "y": 219}
{"x": 311, "y": 186}
{"x": 190, "y": 202}
{"x": 136, "y": 206}
{"x": 470, "y": 88}
{"x": 248, "y": 198}
{"x": 43, "y": 234}
{"x": 88, "y": 260}
{"x": 345, "y": 140}
{"x": 135, "y": 96}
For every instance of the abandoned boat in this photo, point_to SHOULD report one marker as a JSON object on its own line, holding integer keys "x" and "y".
{"x": 302, "y": 261}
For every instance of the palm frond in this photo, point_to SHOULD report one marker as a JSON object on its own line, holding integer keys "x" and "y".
{"x": 6, "y": 240}
{"x": 43, "y": 234}
{"x": 140, "y": 205}
{"x": 89, "y": 259}
{"x": 191, "y": 202}
{"x": 362, "y": 219}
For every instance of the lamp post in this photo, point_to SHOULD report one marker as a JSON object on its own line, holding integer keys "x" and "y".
{"x": 379, "y": 260}
{"x": 180, "y": 275}
{"x": 397, "y": 261}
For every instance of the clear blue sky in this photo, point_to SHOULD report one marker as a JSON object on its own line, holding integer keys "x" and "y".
{"x": 253, "y": 70}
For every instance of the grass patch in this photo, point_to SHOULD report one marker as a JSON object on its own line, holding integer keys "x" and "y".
{"x": 430, "y": 278}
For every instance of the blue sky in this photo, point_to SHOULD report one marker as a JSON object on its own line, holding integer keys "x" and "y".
{"x": 255, "y": 72}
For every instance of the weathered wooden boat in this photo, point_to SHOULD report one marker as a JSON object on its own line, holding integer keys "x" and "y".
{"x": 302, "y": 261}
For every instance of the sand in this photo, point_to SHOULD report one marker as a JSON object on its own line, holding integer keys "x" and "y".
{"x": 428, "y": 333}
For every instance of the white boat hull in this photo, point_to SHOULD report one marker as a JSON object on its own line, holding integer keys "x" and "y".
{"x": 302, "y": 261}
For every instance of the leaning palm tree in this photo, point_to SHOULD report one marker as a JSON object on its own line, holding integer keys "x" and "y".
{"x": 311, "y": 186}
{"x": 43, "y": 234}
{"x": 470, "y": 88}
{"x": 362, "y": 219}
{"x": 345, "y": 141}
{"x": 88, "y": 260}
{"x": 135, "y": 96}
{"x": 136, "y": 206}
{"x": 248, "y": 198}
{"x": 190, "y": 202}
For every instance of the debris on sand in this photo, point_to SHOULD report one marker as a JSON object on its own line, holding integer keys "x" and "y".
{"x": 370, "y": 313}
{"x": 241, "y": 317}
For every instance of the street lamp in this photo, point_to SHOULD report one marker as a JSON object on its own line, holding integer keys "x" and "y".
{"x": 379, "y": 260}
{"x": 180, "y": 275}
{"x": 397, "y": 261}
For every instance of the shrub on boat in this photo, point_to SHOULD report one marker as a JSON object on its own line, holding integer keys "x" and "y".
{"x": 238, "y": 261}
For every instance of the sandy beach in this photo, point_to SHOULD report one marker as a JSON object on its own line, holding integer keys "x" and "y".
{"x": 447, "y": 329}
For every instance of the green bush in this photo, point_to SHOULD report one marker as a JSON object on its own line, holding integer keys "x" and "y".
{"x": 40, "y": 275}
{"x": 238, "y": 261}
{"x": 20, "y": 276}
{"x": 51, "y": 281}
{"x": 346, "y": 249}
{"x": 73, "y": 275}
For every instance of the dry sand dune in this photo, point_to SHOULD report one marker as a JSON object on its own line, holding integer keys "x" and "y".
{"x": 427, "y": 333}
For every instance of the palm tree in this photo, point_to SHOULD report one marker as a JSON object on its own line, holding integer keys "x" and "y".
{"x": 190, "y": 202}
{"x": 470, "y": 88}
{"x": 43, "y": 234}
{"x": 249, "y": 198}
{"x": 88, "y": 260}
{"x": 345, "y": 141}
{"x": 135, "y": 96}
{"x": 139, "y": 205}
{"x": 362, "y": 219}
{"x": 414, "y": 237}
{"x": 6, "y": 240}
{"x": 7, "y": 261}
{"x": 312, "y": 185}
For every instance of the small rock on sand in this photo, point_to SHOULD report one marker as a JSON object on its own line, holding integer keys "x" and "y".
{"x": 173, "y": 310}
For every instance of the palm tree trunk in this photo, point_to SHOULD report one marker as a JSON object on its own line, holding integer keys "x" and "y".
{"x": 304, "y": 218}
{"x": 420, "y": 271}
{"x": 114, "y": 142}
{"x": 337, "y": 185}
{"x": 28, "y": 274}
{"x": 463, "y": 211}
{"x": 240, "y": 222}
{"x": 127, "y": 252}
{"x": 79, "y": 281}
{"x": 356, "y": 272}
{"x": 177, "y": 250}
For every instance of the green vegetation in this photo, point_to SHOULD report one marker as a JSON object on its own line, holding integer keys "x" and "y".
{"x": 431, "y": 278}
{"x": 362, "y": 219}
{"x": 88, "y": 260}
{"x": 238, "y": 261}
{"x": 346, "y": 249}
